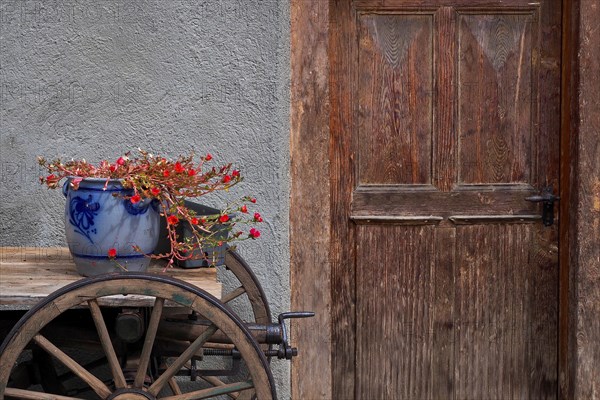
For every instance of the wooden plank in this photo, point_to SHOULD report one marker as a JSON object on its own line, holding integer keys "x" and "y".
{"x": 445, "y": 142}
{"x": 443, "y": 341}
{"x": 343, "y": 75}
{"x": 567, "y": 226}
{"x": 585, "y": 307}
{"x": 27, "y": 275}
{"x": 480, "y": 200}
{"x": 38, "y": 254}
{"x": 493, "y": 219}
{"x": 487, "y": 300}
{"x": 309, "y": 201}
{"x": 396, "y": 220}
{"x": 505, "y": 312}
{"x": 395, "y": 311}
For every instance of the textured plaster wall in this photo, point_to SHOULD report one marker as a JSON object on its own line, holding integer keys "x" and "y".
{"x": 93, "y": 79}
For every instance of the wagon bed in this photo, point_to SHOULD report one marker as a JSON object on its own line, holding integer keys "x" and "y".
{"x": 28, "y": 275}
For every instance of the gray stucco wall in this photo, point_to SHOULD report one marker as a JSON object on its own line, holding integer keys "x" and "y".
{"x": 93, "y": 79}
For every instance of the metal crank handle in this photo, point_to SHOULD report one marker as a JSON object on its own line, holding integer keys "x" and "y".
{"x": 295, "y": 314}
{"x": 285, "y": 350}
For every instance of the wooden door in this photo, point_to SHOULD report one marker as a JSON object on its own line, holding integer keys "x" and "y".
{"x": 445, "y": 116}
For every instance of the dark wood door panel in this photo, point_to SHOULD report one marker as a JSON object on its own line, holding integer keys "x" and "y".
{"x": 497, "y": 114}
{"x": 466, "y": 313}
{"x": 395, "y": 87}
{"x": 444, "y": 119}
{"x": 505, "y": 313}
{"x": 395, "y": 311}
{"x": 450, "y": 98}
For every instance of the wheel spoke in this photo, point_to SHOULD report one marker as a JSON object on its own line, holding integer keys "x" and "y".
{"x": 234, "y": 294}
{"x": 214, "y": 391}
{"x": 181, "y": 360}
{"x": 107, "y": 346}
{"x": 96, "y": 384}
{"x": 149, "y": 342}
{"x": 31, "y": 395}
{"x": 213, "y": 380}
{"x": 174, "y": 386}
{"x": 89, "y": 366}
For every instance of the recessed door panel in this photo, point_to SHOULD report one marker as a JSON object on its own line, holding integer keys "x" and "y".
{"x": 496, "y": 76}
{"x": 394, "y": 98}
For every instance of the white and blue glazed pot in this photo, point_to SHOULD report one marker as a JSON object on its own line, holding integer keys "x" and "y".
{"x": 98, "y": 218}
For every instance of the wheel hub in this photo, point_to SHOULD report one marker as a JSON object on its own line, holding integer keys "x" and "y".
{"x": 131, "y": 394}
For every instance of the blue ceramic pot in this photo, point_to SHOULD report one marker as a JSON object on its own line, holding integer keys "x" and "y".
{"x": 98, "y": 219}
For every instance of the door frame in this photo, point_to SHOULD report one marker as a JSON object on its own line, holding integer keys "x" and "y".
{"x": 313, "y": 201}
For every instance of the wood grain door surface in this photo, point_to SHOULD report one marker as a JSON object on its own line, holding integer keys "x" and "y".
{"x": 445, "y": 117}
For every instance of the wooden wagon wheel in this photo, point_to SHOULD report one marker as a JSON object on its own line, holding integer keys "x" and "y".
{"x": 248, "y": 285}
{"x": 93, "y": 292}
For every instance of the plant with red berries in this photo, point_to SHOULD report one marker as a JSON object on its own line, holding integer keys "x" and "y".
{"x": 168, "y": 182}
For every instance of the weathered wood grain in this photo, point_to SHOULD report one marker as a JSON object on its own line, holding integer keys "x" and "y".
{"x": 495, "y": 115}
{"x": 27, "y": 275}
{"x": 32, "y": 395}
{"x": 107, "y": 345}
{"x": 149, "y": 343}
{"x": 444, "y": 136}
{"x": 310, "y": 215}
{"x": 342, "y": 82}
{"x": 567, "y": 224}
{"x": 395, "y": 87}
{"x": 444, "y": 327}
{"x": 506, "y": 313}
{"x": 585, "y": 308}
{"x": 406, "y": 200}
{"x": 568, "y": 194}
{"x": 395, "y": 312}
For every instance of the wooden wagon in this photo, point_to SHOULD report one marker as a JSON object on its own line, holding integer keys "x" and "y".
{"x": 156, "y": 335}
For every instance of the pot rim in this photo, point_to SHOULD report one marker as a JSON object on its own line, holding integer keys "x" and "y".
{"x": 95, "y": 179}
{"x": 93, "y": 183}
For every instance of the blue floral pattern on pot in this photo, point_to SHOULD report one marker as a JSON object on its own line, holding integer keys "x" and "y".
{"x": 81, "y": 215}
{"x": 135, "y": 209}
{"x": 97, "y": 219}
